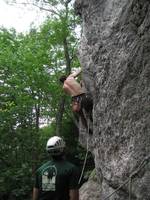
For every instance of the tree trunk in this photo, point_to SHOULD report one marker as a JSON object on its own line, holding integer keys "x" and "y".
{"x": 61, "y": 108}
{"x": 59, "y": 116}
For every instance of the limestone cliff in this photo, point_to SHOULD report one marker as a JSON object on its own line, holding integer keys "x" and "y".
{"x": 115, "y": 55}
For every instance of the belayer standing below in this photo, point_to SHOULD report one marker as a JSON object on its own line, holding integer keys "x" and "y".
{"x": 80, "y": 100}
{"x": 57, "y": 179}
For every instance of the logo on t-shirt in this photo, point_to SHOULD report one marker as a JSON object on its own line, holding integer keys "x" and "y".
{"x": 49, "y": 178}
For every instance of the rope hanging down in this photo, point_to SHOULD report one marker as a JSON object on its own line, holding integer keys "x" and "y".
{"x": 129, "y": 180}
{"x": 87, "y": 151}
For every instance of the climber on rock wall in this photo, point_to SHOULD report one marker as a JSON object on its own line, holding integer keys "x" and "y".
{"x": 80, "y": 100}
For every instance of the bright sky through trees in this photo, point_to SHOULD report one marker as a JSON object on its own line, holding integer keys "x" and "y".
{"x": 20, "y": 17}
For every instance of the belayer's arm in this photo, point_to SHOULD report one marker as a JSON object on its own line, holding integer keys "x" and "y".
{"x": 74, "y": 194}
{"x": 35, "y": 194}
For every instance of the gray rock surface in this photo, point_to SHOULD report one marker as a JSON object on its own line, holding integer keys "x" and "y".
{"x": 91, "y": 189}
{"x": 115, "y": 55}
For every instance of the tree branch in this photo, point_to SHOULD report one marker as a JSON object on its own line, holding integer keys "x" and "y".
{"x": 5, "y": 162}
{"x": 40, "y": 7}
{"x": 72, "y": 52}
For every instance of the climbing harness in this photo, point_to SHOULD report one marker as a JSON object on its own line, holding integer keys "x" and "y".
{"x": 129, "y": 180}
{"x": 76, "y": 102}
{"x": 86, "y": 155}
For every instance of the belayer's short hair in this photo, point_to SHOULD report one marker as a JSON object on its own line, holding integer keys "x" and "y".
{"x": 62, "y": 78}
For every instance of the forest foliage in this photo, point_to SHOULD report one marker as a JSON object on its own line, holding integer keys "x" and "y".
{"x": 33, "y": 105}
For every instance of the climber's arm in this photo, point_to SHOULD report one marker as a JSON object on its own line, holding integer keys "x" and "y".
{"x": 76, "y": 73}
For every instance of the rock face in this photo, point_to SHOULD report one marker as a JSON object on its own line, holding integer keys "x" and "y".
{"x": 115, "y": 55}
{"x": 90, "y": 190}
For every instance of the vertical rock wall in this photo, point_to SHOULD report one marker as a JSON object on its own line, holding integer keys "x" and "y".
{"x": 115, "y": 55}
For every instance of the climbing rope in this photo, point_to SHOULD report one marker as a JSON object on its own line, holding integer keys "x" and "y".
{"x": 130, "y": 187}
{"x": 84, "y": 164}
{"x": 87, "y": 149}
{"x": 86, "y": 155}
{"x": 129, "y": 180}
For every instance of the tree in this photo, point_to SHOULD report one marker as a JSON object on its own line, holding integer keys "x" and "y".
{"x": 30, "y": 66}
{"x": 62, "y": 24}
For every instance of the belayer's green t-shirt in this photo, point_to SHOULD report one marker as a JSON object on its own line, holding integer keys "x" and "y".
{"x": 54, "y": 179}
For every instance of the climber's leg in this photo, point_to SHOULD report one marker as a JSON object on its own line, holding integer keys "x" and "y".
{"x": 82, "y": 105}
{"x": 87, "y": 104}
{"x": 77, "y": 108}
{"x": 87, "y": 109}
{"x": 76, "y": 103}
{"x": 85, "y": 121}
